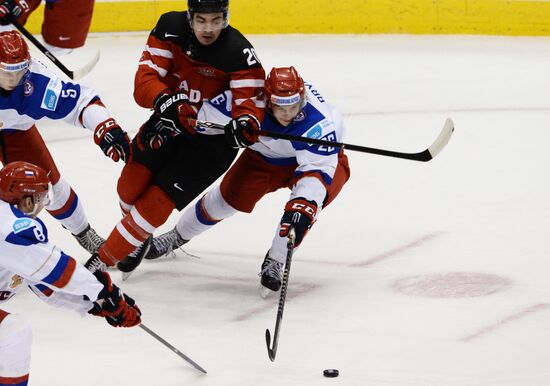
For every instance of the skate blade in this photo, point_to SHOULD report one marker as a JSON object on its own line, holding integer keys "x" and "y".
{"x": 265, "y": 292}
{"x": 126, "y": 275}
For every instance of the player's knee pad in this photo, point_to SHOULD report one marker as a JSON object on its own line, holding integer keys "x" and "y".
{"x": 155, "y": 206}
{"x": 15, "y": 346}
{"x": 134, "y": 180}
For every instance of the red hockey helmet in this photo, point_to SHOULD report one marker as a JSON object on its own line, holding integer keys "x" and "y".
{"x": 14, "y": 52}
{"x": 284, "y": 86}
{"x": 20, "y": 179}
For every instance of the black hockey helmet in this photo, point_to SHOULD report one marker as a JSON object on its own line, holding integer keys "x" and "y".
{"x": 208, "y": 6}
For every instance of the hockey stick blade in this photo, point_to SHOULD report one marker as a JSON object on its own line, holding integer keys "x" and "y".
{"x": 178, "y": 352}
{"x": 271, "y": 352}
{"x": 422, "y": 156}
{"x": 85, "y": 70}
{"x": 443, "y": 139}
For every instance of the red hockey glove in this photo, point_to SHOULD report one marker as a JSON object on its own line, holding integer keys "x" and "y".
{"x": 300, "y": 215}
{"x": 118, "y": 309}
{"x": 242, "y": 132}
{"x": 113, "y": 140}
{"x": 11, "y": 10}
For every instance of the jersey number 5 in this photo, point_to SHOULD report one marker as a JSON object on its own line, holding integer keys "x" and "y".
{"x": 252, "y": 58}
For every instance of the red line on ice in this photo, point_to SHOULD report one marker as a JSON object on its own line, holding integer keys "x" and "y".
{"x": 507, "y": 320}
{"x": 396, "y": 251}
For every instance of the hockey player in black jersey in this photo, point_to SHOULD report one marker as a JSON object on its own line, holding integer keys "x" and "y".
{"x": 189, "y": 57}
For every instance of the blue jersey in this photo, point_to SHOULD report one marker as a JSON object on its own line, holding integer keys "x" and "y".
{"x": 42, "y": 94}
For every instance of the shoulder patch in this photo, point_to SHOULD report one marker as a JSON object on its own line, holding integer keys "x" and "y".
{"x": 21, "y": 224}
{"x": 27, "y": 231}
{"x": 315, "y": 132}
{"x": 51, "y": 95}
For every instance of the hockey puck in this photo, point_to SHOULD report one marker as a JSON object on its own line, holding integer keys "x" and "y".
{"x": 331, "y": 373}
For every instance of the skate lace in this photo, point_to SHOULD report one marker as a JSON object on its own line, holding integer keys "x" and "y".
{"x": 138, "y": 250}
{"x": 167, "y": 243}
{"x": 96, "y": 265}
{"x": 271, "y": 268}
{"x": 90, "y": 240}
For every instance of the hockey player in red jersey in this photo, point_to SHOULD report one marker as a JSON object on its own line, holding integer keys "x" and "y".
{"x": 29, "y": 92}
{"x": 314, "y": 174}
{"x": 66, "y": 22}
{"x": 28, "y": 259}
{"x": 189, "y": 57}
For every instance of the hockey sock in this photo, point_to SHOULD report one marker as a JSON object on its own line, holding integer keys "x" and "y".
{"x": 207, "y": 212}
{"x": 67, "y": 209}
{"x": 150, "y": 212}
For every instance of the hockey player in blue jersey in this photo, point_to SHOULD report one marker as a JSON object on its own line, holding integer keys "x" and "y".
{"x": 28, "y": 259}
{"x": 315, "y": 174}
{"x": 29, "y": 92}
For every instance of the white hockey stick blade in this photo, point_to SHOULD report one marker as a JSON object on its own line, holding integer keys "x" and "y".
{"x": 82, "y": 72}
{"x": 443, "y": 139}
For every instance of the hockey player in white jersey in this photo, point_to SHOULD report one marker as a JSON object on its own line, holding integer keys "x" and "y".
{"x": 29, "y": 92}
{"x": 28, "y": 259}
{"x": 315, "y": 174}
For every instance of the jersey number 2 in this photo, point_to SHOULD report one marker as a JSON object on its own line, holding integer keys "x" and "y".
{"x": 252, "y": 58}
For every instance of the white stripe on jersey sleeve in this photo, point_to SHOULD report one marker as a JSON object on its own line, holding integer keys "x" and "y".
{"x": 159, "y": 52}
{"x": 162, "y": 72}
{"x": 240, "y": 83}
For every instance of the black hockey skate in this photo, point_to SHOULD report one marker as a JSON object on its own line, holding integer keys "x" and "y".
{"x": 272, "y": 274}
{"x": 89, "y": 239}
{"x": 164, "y": 244}
{"x": 133, "y": 260}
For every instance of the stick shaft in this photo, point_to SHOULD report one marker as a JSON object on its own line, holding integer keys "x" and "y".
{"x": 164, "y": 342}
{"x": 422, "y": 156}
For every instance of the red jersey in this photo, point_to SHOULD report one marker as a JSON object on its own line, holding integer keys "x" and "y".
{"x": 174, "y": 59}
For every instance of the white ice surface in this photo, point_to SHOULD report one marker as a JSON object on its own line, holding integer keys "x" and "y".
{"x": 432, "y": 274}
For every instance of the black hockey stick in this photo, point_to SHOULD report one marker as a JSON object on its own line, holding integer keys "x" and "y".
{"x": 272, "y": 350}
{"x": 185, "y": 357}
{"x": 71, "y": 74}
{"x": 426, "y": 155}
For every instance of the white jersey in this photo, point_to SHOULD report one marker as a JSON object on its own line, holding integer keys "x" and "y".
{"x": 41, "y": 94}
{"x": 318, "y": 120}
{"x": 28, "y": 259}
